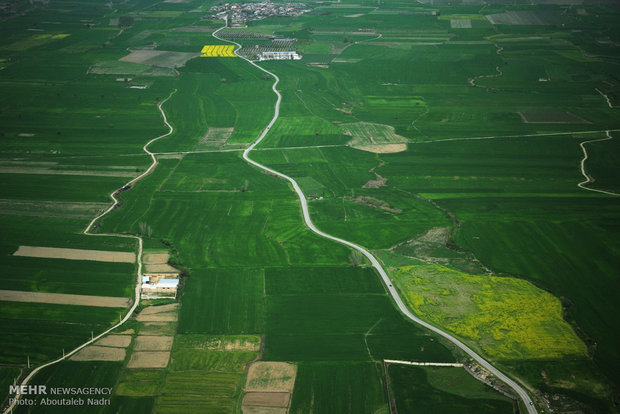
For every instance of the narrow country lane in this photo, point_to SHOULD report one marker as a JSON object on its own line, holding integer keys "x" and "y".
{"x": 582, "y": 166}
{"x": 87, "y": 232}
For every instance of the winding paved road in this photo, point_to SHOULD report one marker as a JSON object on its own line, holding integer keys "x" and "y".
{"x": 375, "y": 263}
{"x": 304, "y": 205}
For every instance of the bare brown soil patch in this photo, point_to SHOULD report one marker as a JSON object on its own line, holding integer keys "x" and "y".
{"x": 149, "y": 359}
{"x": 435, "y": 235}
{"x": 155, "y": 258}
{"x": 160, "y": 268}
{"x": 382, "y": 148}
{"x": 118, "y": 341}
{"x": 163, "y": 313}
{"x": 249, "y": 409}
{"x": 75, "y": 254}
{"x": 159, "y": 58}
{"x": 64, "y": 299}
{"x": 151, "y": 310}
{"x": 379, "y": 182}
{"x": 99, "y": 353}
{"x": 159, "y": 317}
{"x": 376, "y": 203}
{"x": 158, "y": 328}
{"x": 271, "y": 377}
{"x": 153, "y": 343}
{"x": 267, "y": 399}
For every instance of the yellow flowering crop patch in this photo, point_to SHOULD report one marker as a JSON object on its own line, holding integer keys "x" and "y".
{"x": 218, "y": 51}
{"x": 508, "y": 318}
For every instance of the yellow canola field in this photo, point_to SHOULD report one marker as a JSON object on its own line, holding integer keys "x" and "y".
{"x": 508, "y": 318}
{"x": 218, "y": 51}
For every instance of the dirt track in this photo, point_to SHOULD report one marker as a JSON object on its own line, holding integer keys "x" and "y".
{"x": 588, "y": 177}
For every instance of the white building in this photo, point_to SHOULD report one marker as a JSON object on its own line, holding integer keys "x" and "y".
{"x": 279, "y": 56}
{"x": 159, "y": 288}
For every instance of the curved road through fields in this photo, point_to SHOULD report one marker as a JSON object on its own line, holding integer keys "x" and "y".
{"x": 87, "y": 232}
{"x": 386, "y": 280}
{"x": 582, "y": 166}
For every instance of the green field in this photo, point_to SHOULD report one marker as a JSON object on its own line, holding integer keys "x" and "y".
{"x": 68, "y": 276}
{"x": 445, "y": 390}
{"x": 229, "y": 302}
{"x": 68, "y": 375}
{"x": 325, "y": 388}
{"x": 188, "y": 391}
{"x": 480, "y": 220}
{"x": 41, "y": 331}
{"x": 8, "y": 375}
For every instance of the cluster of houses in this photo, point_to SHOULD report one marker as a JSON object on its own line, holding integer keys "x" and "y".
{"x": 289, "y": 55}
{"x": 237, "y": 14}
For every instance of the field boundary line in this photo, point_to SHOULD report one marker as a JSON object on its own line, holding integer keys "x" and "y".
{"x": 388, "y": 386}
{"x": 375, "y": 263}
{"x": 87, "y": 232}
{"x": 425, "y": 364}
{"x": 257, "y": 149}
{"x": 588, "y": 178}
{"x": 549, "y": 134}
{"x": 604, "y": 96}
